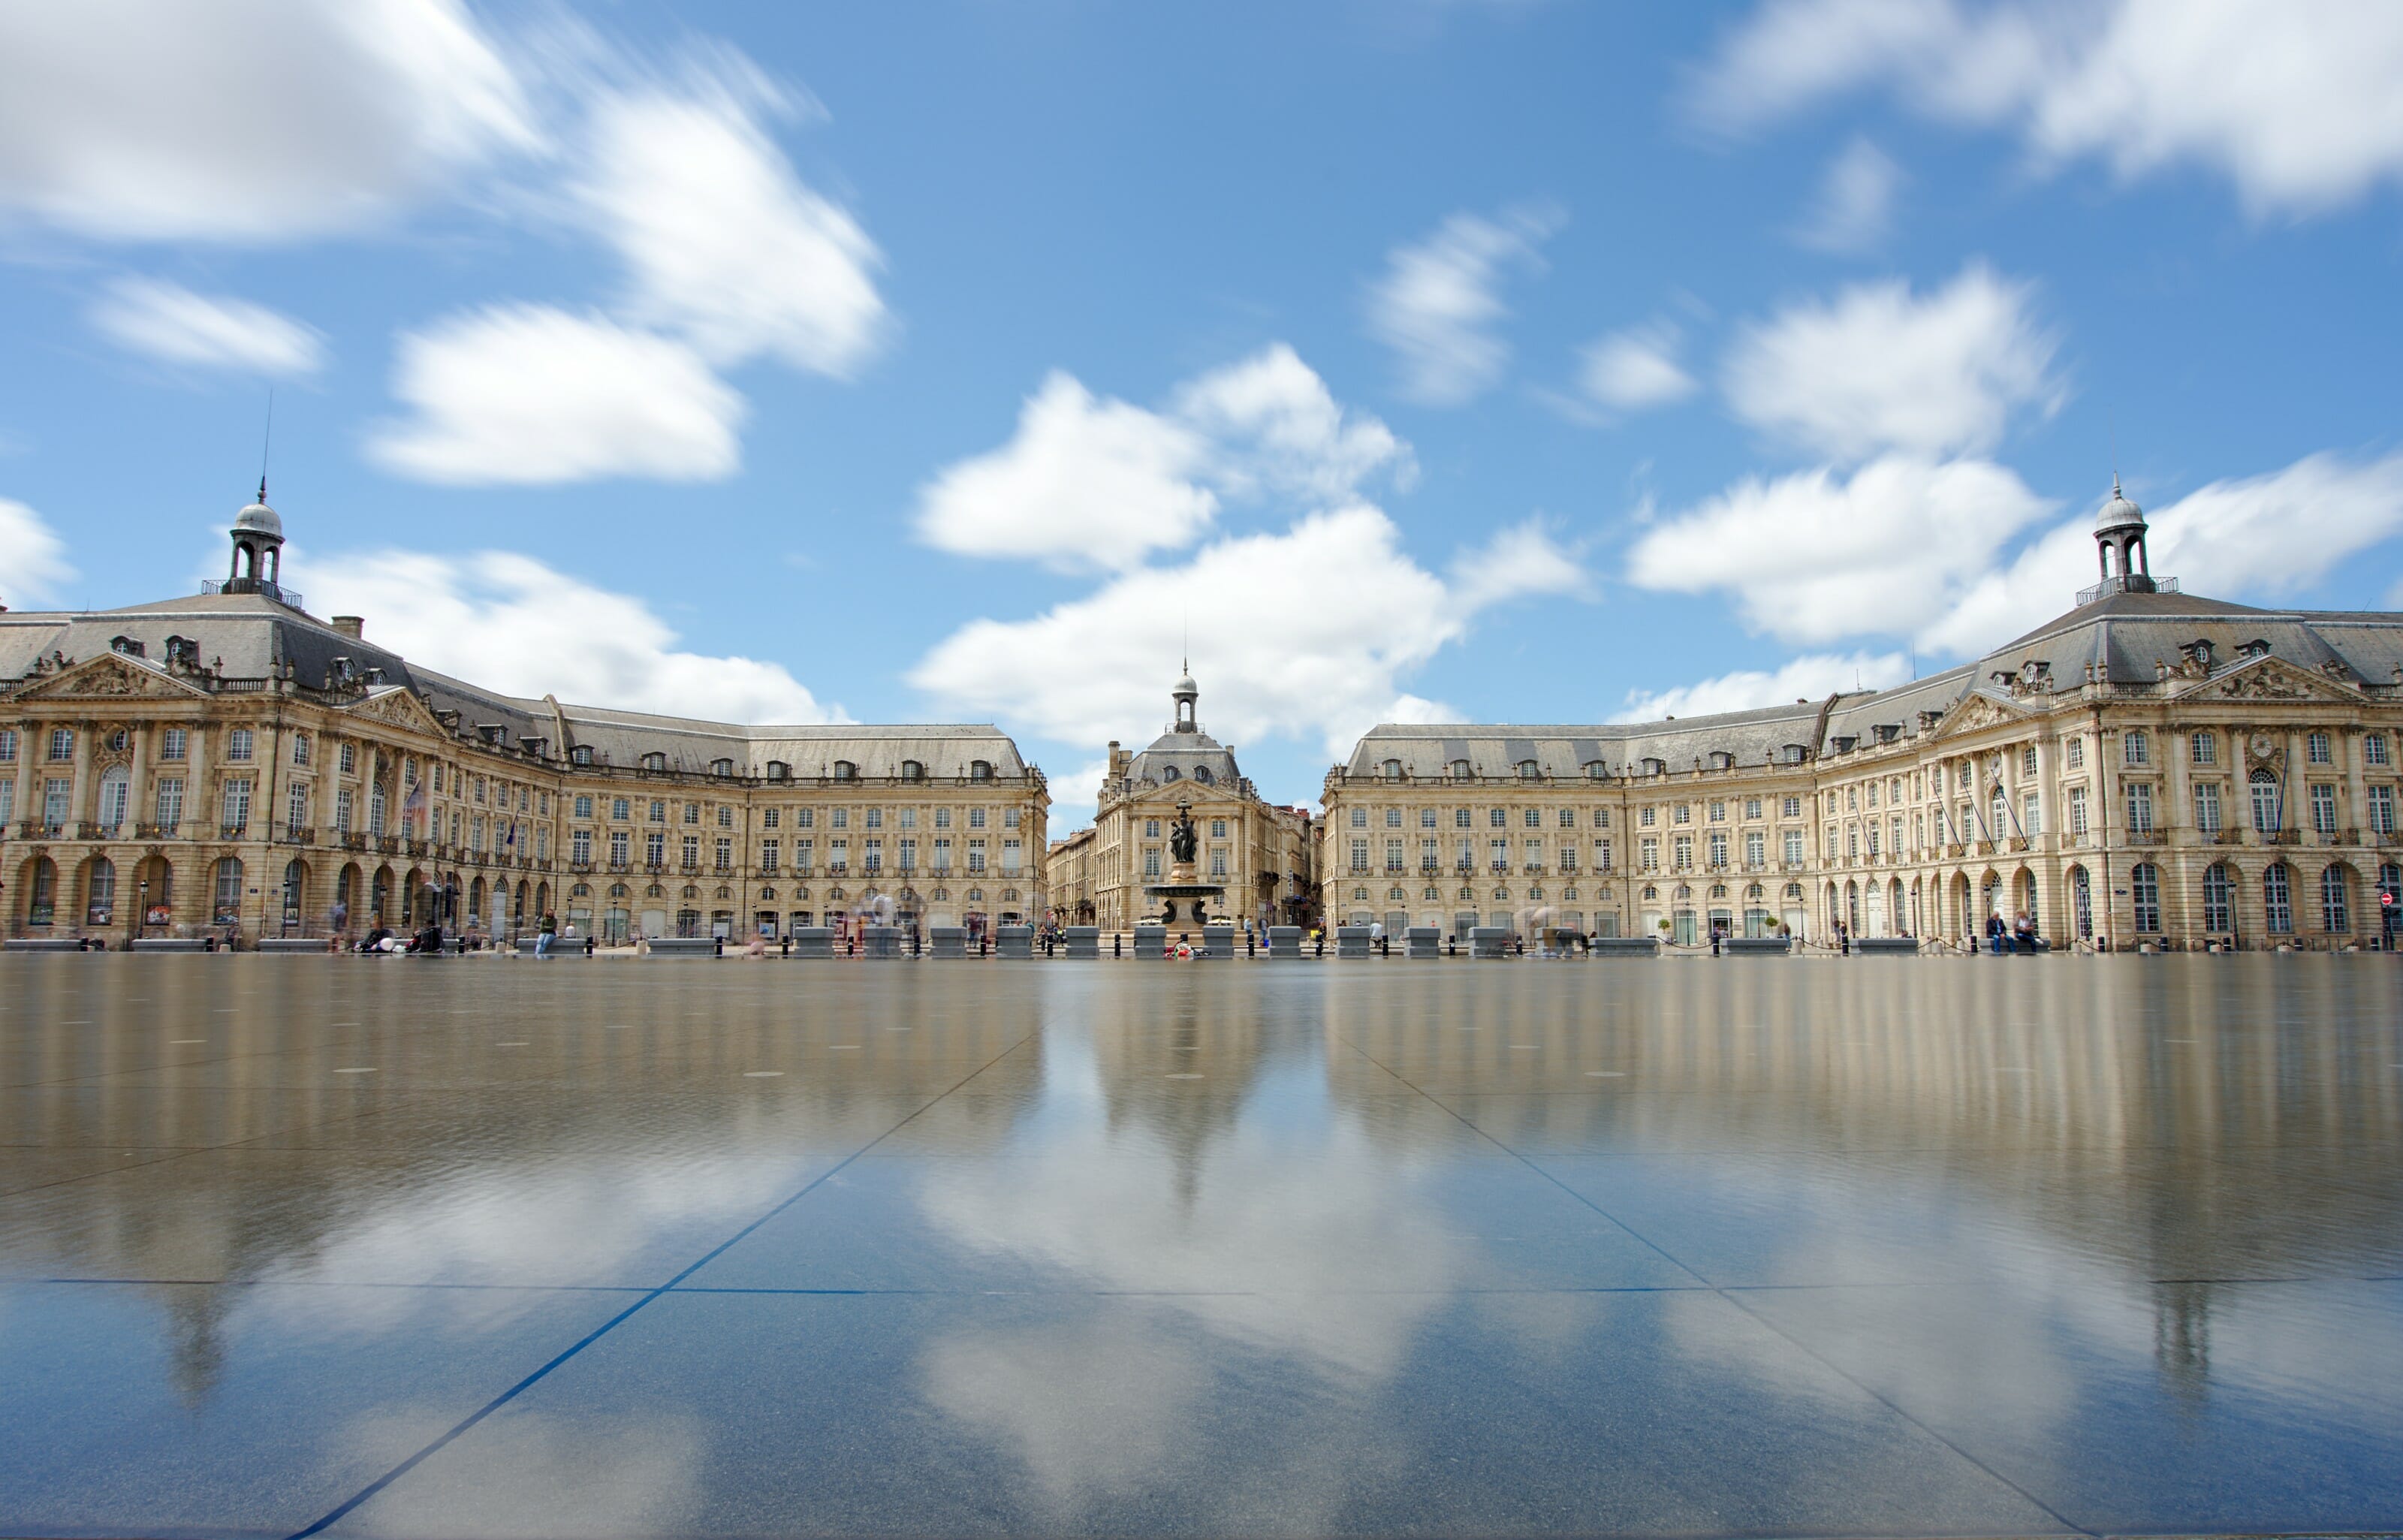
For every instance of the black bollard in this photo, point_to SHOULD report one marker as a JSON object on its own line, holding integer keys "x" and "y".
{"x": 717, "y": 949}
{"x": 1117, "y": 944}
{"x": 1320, "y": 949}
{"x": 1247, "y": 944}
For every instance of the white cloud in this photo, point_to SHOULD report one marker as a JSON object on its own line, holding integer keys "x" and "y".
{"x": 31, "y": 553}
{"x": 244, "y": 120}
{"x": 1813, "y": 676}
{"x": 169, "y": 323}
{"x": 1092, "y": 483}
{"x": 2293, "y": 100}
{"x": 1883, "y": 368}
{"x": 1854, "y": 211}
{"x": 726, "y": 245}
{"x": 513, "y": 624}
{"x": 1811, "y": 557}
{"x": 1305, "y": 634}
{"x": 2231, "y": 539}
{"x": 1629, "y": 370}
{"x": 1440, "y": 302}
{"x": 525, "y": 394}
{"x": 1084, "y": 483}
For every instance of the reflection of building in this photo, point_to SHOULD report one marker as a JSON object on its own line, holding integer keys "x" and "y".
{"x": 2150, "y": 766}
{"x": 231, "y": 758}
{"x": 1259, "y": 851}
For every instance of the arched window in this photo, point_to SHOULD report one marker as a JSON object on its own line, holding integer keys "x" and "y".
{"x": 845, "y": 770}
{"x": 1461, "y": 770}
{"x": 979, "y": 770}
{"x": 1170, "y": 772}
{"x": 580, "y": 754}
{"x": 1595, "y": 769}
{"x": 2218, "y": 899}
{"x": 1392, "y": 770}
{"x": 2269, "y": 812}
{"x": 2145, "y": 892}
{"x": 100, "y": 892}
{"x": 2336, "y": 900}
{"x": 779, "y": 771}
{"x": 116, "y": 796}
{"x": 1529, "y": 770}
{"x": 2277, "y": 901}
{"x": 227, "y": 908}
{"x": 2081, "y": 902}
{"x": 655, "y": 761}
{"x": 721, "y": 766}
{"x": 295, "y": 877}
{"x": 42, "y": 892}
{"x": 913, "y": 771}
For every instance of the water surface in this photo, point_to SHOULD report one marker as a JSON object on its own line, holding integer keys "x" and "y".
{"x": 1871, "y": 1246}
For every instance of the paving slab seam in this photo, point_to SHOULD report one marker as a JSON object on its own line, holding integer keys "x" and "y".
{"x": 2068, "y": 1526}
{"x": 341, "y": 1510}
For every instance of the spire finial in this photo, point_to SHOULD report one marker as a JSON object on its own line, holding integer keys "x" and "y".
{"x": 266, "y": 441}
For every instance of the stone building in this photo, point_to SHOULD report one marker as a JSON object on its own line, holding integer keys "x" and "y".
{"x": 230, "y": 761}
{"x": 1261, "y": 851}
{"x": 2149, "y": 768}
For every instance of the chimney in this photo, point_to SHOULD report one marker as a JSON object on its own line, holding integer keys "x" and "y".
{"x": 349, "y": 626}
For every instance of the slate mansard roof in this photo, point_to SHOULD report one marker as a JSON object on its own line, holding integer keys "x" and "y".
{"x": 2126, "y": 638}
{"x": 248, "y": 636}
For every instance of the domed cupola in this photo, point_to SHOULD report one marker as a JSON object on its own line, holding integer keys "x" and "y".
{"x": 258, "y": 549}
{"x": 1185, "y": 694}
{"x": 2119, "y": 545}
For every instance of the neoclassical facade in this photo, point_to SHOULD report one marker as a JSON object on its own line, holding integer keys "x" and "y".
{"x": 1261, "y": 851}
{"x": 2149, "y": 768}
{"x": 230, "y": 761}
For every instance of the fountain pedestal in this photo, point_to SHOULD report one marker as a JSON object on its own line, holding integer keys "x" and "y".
{"x": 1185, "y": 899}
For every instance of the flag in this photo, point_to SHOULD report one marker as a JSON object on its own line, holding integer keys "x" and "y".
{"x": 513, "y": 831}
{"x": 413, "y": 805}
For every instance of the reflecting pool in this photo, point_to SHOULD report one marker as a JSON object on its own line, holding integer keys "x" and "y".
{"x": 1865, "y": 1246}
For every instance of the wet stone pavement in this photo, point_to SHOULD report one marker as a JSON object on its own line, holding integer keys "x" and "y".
{"x": 1876, "y": 1246}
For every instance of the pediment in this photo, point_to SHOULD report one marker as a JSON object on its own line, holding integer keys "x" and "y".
{"x": 1976, "y": 714}
{"x": 109, "y": 677}
{"x": 2269, "y": 679}
{"x": 401, "y": 707}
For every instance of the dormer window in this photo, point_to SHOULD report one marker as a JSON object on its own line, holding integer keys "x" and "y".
{"x": 1529, "y": 770}
{"x": 1794, "y": 754}
{"x": 183, "y": 649}
{"x": 721, "y": 766}
{"x": 1201, "y": 773}
{"x": 655, "y": 761}
{"x": 1392, "y": 770}
{"x": 1169, "y": 772}
{"x": 1461, "y": 770}
{"x": 1595, "y": 769}
{"x": 580, "y": 754}
{"x": 1656, "y": 767}
{"x": 779, "y": 771}
{"x": 1721, "y": 759}
{"x": 1887, "y": 732}
{"x": 913, "y": 771}
{"x": 845, "y": 770}
{"x": 127, "y": 646}
{"x": 981, "y": 769}
{"x": 2258, "y": 648}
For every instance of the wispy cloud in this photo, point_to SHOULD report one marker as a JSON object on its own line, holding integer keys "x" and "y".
{"x": 173, "y": 325}
{"x": 1438, "y": 304}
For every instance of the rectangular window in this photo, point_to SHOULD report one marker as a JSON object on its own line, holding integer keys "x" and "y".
{"x": 2027, "y": 760}
{"x": 2075, "y": 753}
{"x": 1646, "y": 817}
{"x": 655, "y": 849}
{"x": 839, "y": 855}
{"x": 584, "y": 805}
{"x": 691, "y": 850}
{"x": 805, "y": 818}
{"x": 874, "y": 819}
{"x": 2078, "y": 809}
{"x": 1793, "y": 847}
{"x": 295, "y": 806}
{"x": 1393, "y": 855}
{"x": 2140, "y": 807}
{"x": 976, "y": 818}
{"x": 237, "y": 806}
{"x": 1498, "y": 855}
{"x": 300, "y": 748}
{"x": 1751, "y": 808}
{"x": 1010, "y": 816}
{"x": 771, "y": 817}
{"x": 2381, "y": 810}
{"x": 63, "y": 743}
{"x": 942, "y": 818}
{"x": 2323, "y": 809}
{"x": 975, "y": 857}
{"x": 659, "y": 812}
{"x": 1532, "y": 818}
{"x": 1756, "y": 849}
{"x": 2144, "y": 895}
{"x": 476, "y": 835}
{"x": 908, "y": 852}
{"x": 7, "y": 800}
{"x": 909, "y": 817}
{"x": 1649, "y": 853}
{"x": 1218, "y": 828}
{"x": 342, "y": 804}
{"x": 804, "y": 851}
{"x": 1568, "y": 856}
{"x": 2206, "y": 749}
{"x": 1792, "y": 807}
{"x": 942, "y": 853}
{"x": 1359, "y": 854}
{"x": 2031, "y": 815}
{"x": 725, "y": 852}
{"x": 7, "y": 745}
{"x": 1151, "y": 860}
{"x": 580, "y": 848}
{"x": 1682, "y": 814}
{"x": 238, "y": 745}
{"x": 55, "y": 792}
{"x": 1217, "y": 861}
{"x": 617, "y": 847}
{"x": 2206, "y": 809}
{"x": 1718, "y": 849}
{"x": 2373, "y": 749}
{"x": 1460, "y": 819}
{"x": 1683, "y": 852}
{"x": 2320, "y": 748}
{"x": 767, "y": 855}
{"x": 619, "y": 809}
{"x": 1602, "y": 855}
{"x": 349, "y": 759}
{"x": 692, "y": 813}
{"x": 2138, "y": 749}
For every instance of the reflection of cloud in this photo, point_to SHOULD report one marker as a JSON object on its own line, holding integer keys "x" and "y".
{"x": 1094, "y": 1410}
{"x": 525, "y": 1472}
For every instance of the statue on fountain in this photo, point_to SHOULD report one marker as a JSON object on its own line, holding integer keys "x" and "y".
{"x": 1183, "y": 844}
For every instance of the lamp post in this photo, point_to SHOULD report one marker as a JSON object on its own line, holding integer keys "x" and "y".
{"x": 142, "y": 916}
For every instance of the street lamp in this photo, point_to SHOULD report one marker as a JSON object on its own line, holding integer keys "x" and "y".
{"x": 142, "y": 918}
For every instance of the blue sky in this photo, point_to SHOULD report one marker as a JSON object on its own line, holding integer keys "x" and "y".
{"x": 1514, "y": 360}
